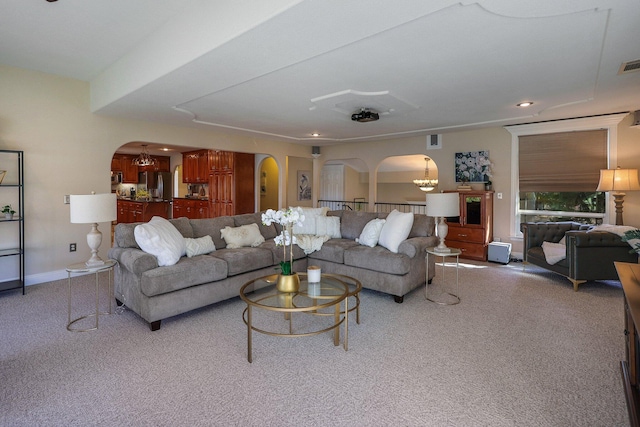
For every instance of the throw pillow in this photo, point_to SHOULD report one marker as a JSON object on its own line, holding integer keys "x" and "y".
{"x": 371, "y": 232}
{"x": 328, "y": 226}
{"x": 245, "y": 235}
{"x": 309, "y": 224}
{"x": 395, "y": 230}
{"x": 200, "y": 246}
{"x": 161, "y": 239}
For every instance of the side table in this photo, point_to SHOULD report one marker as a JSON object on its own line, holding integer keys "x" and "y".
{"x": 453, "y": 252}
{"x": 81, "y": 268}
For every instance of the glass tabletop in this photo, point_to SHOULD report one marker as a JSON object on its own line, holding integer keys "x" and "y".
{"x": 329, "y": 291}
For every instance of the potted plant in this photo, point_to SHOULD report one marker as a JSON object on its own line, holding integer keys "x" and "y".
{"x": 487, "y": 185}
{"x": 288, "y": 281}
{"x": 8, "y": 211}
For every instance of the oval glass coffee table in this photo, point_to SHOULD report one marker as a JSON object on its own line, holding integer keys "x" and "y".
{"x": 320, "y": 302}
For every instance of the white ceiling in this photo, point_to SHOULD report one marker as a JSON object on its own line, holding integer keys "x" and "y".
{"x": 287, "y": 68}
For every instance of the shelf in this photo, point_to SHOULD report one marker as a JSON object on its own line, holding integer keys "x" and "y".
{"x": 10, "y": 252}
{"x": 15, "y": 218}
{"x": 10, "y": 285}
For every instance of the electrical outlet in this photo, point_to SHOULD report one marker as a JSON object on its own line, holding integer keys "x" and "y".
{"x": 499, "y": 196}
{"x": 66, "y": 199}
{"x": 72, "y": 247}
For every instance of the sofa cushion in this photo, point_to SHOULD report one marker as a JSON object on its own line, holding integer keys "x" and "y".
{"x": 267, "y": 231}
{"x": 333, "y": 250}
{"x": 310, "y": 216}
{"x": 423, "y": 226}
{"x": 328, "y": 226}
{"x": 185, "y": 273}
{"x": 352, "y": 223}
{"x": 200, "y": 246}
{"x": 243, "y": 236}
{"x": 242, "y": 260}
{"x": 371, "y": 232}
{"x": 377, "y": 259}
{"x": 160, "y": 238}
{"x": 395, "y": 230}
{"x": 278, "y": 251}
{"x": 212, "y": 227}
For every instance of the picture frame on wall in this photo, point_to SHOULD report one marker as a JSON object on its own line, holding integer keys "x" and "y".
{"x": 472, "y": 166}
{"x": 304, "y": 185}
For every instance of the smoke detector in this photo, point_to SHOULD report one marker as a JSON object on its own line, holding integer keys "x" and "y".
{"x": 365, "y": 115}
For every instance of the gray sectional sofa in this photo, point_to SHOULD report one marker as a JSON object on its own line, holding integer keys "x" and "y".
{"x": 156, "y": 293}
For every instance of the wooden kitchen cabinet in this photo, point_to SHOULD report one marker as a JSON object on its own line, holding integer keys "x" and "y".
{"x": 195, "y": 167}
{"x": 472, "y": 231}
{"x": 135, "y": 211}
{"x": 190, "y": 208}
{"x": 231, "y": 184}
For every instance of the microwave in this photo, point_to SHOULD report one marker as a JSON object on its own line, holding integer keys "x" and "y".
{"x": 116, "y": 177}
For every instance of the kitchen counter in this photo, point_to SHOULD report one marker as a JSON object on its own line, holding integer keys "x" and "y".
{"x": 130, "y": 210}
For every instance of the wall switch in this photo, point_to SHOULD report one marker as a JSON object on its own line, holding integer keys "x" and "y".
{"x": 67, "y": 199}
{"x": 72, "y": 247}
{"x": 499, "y": 195}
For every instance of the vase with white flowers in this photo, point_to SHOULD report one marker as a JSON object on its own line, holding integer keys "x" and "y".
{"x": 288, "y": 281}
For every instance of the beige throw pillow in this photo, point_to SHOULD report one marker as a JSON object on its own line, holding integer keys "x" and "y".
{"x": 245, "y": 235}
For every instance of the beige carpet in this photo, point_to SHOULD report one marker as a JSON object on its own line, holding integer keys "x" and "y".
{"x": 521, "y": 349}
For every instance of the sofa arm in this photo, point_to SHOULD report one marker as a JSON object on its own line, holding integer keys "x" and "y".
{"x": 594, "y": 239}
{"x": 134, "y": 260}
{"x": 416, "y": 245}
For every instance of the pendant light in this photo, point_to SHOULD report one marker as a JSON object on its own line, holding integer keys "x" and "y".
{"x": 144, "y": 159}
{"x": 426, "y": 184}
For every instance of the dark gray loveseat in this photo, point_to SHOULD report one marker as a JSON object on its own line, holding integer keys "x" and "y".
{"x": 589, "y": 254}
{"x": 156, "y": 293}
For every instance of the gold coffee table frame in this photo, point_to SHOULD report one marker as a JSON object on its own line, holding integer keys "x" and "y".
{"x": 311, "y": 299}
{"x": 81, "y": 268}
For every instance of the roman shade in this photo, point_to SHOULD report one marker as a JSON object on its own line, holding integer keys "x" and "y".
{"x": 560, "y": 162}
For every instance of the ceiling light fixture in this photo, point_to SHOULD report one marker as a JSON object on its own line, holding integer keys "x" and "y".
{"x": 525, "y": 104}
{"x": 315, "y": 134}
{"x": 144, "y": 159}
{"x": 426, "y": 184}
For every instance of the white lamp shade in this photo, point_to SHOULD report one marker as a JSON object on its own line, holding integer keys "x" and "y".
{"x": 443, "y": 204}
{"x": 618, "y": 180}
{"x": 93, "y": 208}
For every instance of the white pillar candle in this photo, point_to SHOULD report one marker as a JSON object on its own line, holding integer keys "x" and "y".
{"x": 313, "y": 274}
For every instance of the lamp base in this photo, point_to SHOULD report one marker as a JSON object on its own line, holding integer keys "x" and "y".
{"x": 94, "y": 239}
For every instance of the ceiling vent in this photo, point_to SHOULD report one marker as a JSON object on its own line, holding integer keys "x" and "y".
{"x": 629, "y": 67}
{"x": 365, "y": 115}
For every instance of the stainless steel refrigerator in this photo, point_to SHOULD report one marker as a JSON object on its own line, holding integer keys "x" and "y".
{"x": 159, "y": 184}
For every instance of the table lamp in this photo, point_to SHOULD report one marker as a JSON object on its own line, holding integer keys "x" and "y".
{"x": 92, "y": 209}
{"x": 443, "y": 205}
{"x": 618, "y": 180}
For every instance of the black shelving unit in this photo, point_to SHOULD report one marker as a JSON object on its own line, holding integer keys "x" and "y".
{"x": 12, "y": 246}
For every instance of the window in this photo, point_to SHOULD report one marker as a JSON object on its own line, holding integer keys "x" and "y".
{"x": 558, "y": 175}
{"x": 542, "y": 204}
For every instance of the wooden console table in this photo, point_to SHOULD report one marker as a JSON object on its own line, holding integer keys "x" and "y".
{"x": 630, "y": 278}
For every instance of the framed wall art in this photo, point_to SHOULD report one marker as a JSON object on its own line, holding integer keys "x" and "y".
{"x": 304, "y": 185}
{"x": 473, "y": 166}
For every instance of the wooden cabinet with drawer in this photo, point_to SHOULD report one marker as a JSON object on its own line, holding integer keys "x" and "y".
{"x": 472, "y": 231}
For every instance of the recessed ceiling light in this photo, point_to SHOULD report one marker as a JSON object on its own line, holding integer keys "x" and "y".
{"x": 315, "y": 134}
{"x": 524, "y": 104}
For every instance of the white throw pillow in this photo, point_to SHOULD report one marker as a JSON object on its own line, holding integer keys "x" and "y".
{"x": 371, "y": 232}
{"x": 245, "y": 235}
{"x": 309, "y": 224}
{"x": 328, "y": 226}
{"x": 161, "y": 239}
{"x": 200, "y": 246}
{"x": 395, "y": 230}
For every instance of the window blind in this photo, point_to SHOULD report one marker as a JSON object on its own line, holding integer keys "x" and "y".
{"x": 565, "y": 161}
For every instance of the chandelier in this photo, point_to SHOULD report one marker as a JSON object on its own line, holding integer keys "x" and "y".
{"x": 426, "y": 184}
{"x": 144, "y": 159}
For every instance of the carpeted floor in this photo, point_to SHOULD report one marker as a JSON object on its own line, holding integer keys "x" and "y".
{"x": 521, "y": 349}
